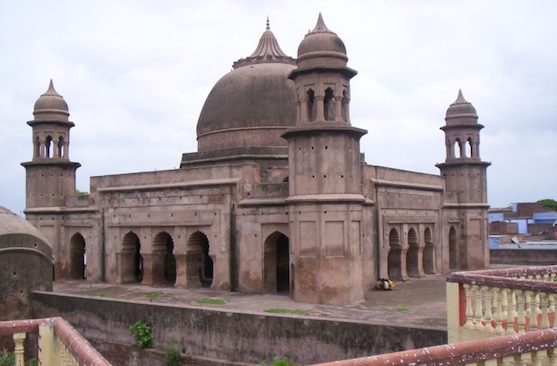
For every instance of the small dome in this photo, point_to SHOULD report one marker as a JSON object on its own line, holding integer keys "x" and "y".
{"x": 321, "y": 42}
{"x": 252, "y": 104}
{"x": 12, "y": 224}
{"x": 461, "y": 107}
{"x": 51, "y": 106}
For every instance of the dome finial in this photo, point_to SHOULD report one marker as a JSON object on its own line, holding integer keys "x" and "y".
{"x": 460, "y": 98}
{"x": 51, "y": 90}
{"x": 268, "y": 25}
{"x": 320, "y": 26}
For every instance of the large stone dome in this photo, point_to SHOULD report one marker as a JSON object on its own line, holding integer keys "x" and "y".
{"x": 251, "y": 105}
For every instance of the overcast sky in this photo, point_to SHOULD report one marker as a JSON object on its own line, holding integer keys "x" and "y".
{"x": 135, "y": 75}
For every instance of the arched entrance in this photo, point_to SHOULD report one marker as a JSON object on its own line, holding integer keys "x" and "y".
{"x": 453, "y": 252}
{"x": 429, "y": 252}
{"x": 412, "y": 256}
{"x": 164, "y": 262}
{"x": 78, "y": 257}
{"x": 131, "y": 263}
{"x": 276, "y": 263}
{"x": 395, "y": 255}
{"x": 199, "y": 264}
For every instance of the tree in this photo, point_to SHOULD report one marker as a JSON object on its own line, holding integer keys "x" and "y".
{"x": 548, "y": 203}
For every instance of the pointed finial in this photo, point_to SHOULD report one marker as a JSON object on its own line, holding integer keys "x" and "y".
{"x": 320, "y": 26}
{"x": 460, "y": 99}
{"x": 51, "y": 90}
{"x": 268, "y": 25}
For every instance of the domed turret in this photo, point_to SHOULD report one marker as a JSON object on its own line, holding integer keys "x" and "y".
{"x": 462, "y": 110}
{"x": 320, "y": 46}
{"x": 51, "y": 106}
{"x": 251, "y": 105}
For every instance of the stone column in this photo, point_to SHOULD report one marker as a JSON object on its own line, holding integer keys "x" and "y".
{"x": 147, "y": 269}
{"x": 181, "y": 271}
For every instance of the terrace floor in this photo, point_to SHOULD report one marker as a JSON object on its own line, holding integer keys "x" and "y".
{"x": 416, "y": 303}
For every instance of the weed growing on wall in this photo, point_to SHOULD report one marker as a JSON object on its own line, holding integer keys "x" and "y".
{"x": 172, "y": 356}
{"x": 279, "y": 361}
{"x": 142, "y": 334}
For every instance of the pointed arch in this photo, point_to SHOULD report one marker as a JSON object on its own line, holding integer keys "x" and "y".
{"x": 48, "y": 146}
{"x": 412, "y": 256}
{"x": 429, "y": 252}
{"x": 199, "y": 264}
{"x": 329, "y": 105}
{"x": 310, "y": 104}
{"x": 453, "y": 251}
{"x": 276, "y": 263}
{"x": 395, "y": 256}
{"x": 164, "y": 261}
{"x": 78, "y": 259}
{"x": 469, "y": 148}
{"x": 457, "y": 148}
{"x": 131, "y": 261}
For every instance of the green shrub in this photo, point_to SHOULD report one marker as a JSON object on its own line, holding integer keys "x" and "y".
{"x": 7, "y": 358}
{"x": 142, "y": 334}
{"x": 280, "y": 361}
{"x": 172, "y": 356}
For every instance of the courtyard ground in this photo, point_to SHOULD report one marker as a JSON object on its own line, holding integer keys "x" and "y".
{"x": 416, "y": 303}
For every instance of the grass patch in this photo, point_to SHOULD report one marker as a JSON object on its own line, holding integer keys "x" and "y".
{"x": 101, "y": 295}
{"x": 153, "y": 295}
{"x": 211, "y": 301}
{"x": 286, "y": 311}
{"x": 402, "y": 309}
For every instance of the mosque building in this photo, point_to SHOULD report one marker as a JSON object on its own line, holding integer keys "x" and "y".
{"x": 277, "y": 197}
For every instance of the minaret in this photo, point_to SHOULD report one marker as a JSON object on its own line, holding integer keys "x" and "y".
{"x": 50, "y": 174}
{"x": 325, "y": 169}
{"x": 465, "y": 177}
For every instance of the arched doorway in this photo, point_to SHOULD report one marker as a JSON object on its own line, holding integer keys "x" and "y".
{"x": 78, "y": 257}
{"x": 453, "y": 252}
{"x": 412, "y": 256}
{"x": 429, "y": 252}
{"x": 199, "y": 264}
{"x": 276, "y": 263}
{"x": 395, "y": 255}
{"x": 164, "y": 261}
{"x": 131, "y": 266}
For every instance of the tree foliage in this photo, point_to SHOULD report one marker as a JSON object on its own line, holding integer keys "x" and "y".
{"x": 548, "y": 203}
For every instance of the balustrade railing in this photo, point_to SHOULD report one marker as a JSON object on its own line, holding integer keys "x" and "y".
{"x": 485, "y": 303}
{"x": 537, "y": 348}
{"x": 59, "y": 344}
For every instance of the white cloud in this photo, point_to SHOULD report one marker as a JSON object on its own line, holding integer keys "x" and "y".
{"x": 136, "y": 73}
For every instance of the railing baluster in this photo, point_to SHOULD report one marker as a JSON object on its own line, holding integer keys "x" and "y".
{"x": 521, "y": 313}
{"x": 508, "y": 361}
{"x": 19, "y": 340}
{"x": 469, "y": 313}
{"x": 552, "y": 356}
{"x": 488, "y": 307}
{"x": 498, "y": 295}
{"x": 533, "y": 306}
{"x": 526, "y": 359}
{"x": 545, "y": 315}
{"x": 478, "y": 313}
{"x": 540, "y": 357}
{"x": 491, "y": 362}
{"x": 510, "y": 312}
